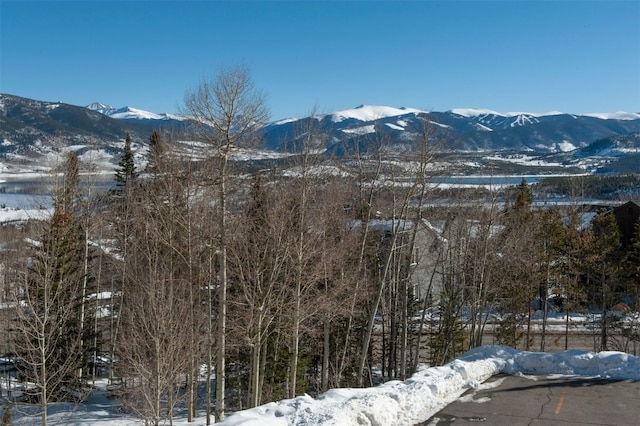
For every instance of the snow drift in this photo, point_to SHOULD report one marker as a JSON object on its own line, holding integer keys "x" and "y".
{"x": 431, "y": 389}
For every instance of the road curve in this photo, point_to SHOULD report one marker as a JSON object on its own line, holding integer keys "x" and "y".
{"x": 545, "y": 400}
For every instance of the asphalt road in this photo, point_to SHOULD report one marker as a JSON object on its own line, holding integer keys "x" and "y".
{"x": 545, "y": 400}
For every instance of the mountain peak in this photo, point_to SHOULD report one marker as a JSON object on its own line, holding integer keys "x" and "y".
{"x": 620, "y": 115}
{"x": 475, "y": 112}
{"x": 101, "y": 108}
{"x": 371, "y": 113}
{"x": 129, "y": 113}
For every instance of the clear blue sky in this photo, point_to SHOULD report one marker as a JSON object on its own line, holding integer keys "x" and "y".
{"x": 535, "y": 56}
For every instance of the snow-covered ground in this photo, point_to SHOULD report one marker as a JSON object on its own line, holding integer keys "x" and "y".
{"x": 393, "y": 403}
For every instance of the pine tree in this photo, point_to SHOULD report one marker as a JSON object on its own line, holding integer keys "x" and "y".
{"x": 519, "y": 214}
{"x": 123, "y": 198}
{"x": 126, "y": 172}
{"x": 604, "y": 261}
{"x": 156, "y": 152}
{"x": 69, "y": 198}
{"x": 524, "y": 198}
{"x": 50, "y": 334}
{"x": 633, "y": 261}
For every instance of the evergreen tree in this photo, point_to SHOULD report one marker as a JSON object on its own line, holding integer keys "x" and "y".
{"x": 50, "y": 334}
{"x": 604, "y": 263}
{"x": 123, "y": 205}
{"x": 69, "y": 198}
{"x": 519, "y": 215}
{"x": 524, "y": 197}
{"x": 633, "y": 261}
{"x": 126, "y": 172}
{"x": 156, "y": 152}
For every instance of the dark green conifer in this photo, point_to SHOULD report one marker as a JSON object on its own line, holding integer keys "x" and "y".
{"x": 156, "y": 152}
{"x": 51, "y": 340}
{"x": 604, "y": 267}
{"x": 524, "y": 198}
{"x": 126, "y": 172}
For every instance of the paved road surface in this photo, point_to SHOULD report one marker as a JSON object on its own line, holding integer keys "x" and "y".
{"x": 545, "y": 400}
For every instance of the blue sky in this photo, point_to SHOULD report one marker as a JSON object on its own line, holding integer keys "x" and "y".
{"x": 535, "y": 56}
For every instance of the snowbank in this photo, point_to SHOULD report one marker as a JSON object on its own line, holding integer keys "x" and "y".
{"x": 431, "y": 389}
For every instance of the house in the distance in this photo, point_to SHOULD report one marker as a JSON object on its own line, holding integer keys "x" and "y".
{"x": 627, "y": 216}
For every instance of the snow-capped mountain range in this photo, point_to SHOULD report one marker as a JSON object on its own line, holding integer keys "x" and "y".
{"x": 371, "y": 112}
{"x": 465, "y": 129}
{"x": 368, "y": 113}
{"x": 476, "y": 112}
{"x": 31, "y": 126}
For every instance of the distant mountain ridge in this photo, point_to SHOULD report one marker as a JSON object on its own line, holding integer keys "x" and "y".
{"x": 463, "y": 129}
{"x": 34, "y": 127}
{"x": 34, "y": 133}
{"x": 129, "y": 113}
{"x": 27, "y": 120}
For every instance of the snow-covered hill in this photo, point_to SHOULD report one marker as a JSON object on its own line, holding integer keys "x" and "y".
{"x": 129, "y": 113}
{"x": 371, "y": 113}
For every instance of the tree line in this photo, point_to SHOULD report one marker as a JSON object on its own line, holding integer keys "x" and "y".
{"x": 203, "y": 285}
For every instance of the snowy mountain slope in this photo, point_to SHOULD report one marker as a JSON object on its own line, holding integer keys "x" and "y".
{"x": 526, "y": 116}
{"x": 464, "y": 129}
{"x": 620, "y": 115}
{"x": 29, "y": 126}
{"x": 461, "y": 129}
{"x": 101, "y": 108}
{"x": 495, "y": 120}
{"x": 33, "y": 132}
{"x": 614, "y": 154}
{"x": 371, "y": 113}
{"x": 128, "y": 113}
{"x": 27, "y": 120}
{"x": 617, "y": 145}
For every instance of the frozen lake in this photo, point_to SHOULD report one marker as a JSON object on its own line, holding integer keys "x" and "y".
{"x": 485, "y": 180}
{"x": 34, "y": 191}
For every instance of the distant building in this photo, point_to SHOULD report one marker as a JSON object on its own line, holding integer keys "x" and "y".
{"x": 420, "y": 255}
{"x": 627, "y": 216}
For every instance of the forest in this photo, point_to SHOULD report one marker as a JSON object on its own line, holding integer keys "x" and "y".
{"x": 213, "y": 284}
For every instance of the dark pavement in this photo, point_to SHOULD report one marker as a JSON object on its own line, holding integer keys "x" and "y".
{"x": 545, "y": 400}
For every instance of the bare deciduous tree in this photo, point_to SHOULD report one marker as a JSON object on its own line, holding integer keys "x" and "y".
{"x": 156, "y": 309}
{"x": 257, "y": 256}
{"x": 230, "y": 112}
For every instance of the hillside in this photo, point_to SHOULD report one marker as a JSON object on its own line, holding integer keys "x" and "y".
{"x": 460, "y": 129}
{"x": 474, "y": 140}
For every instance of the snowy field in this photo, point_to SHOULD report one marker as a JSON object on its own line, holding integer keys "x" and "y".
{"x": 392, "y": 403}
